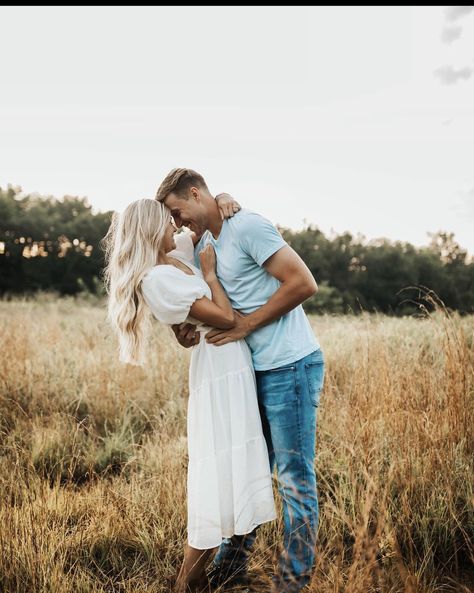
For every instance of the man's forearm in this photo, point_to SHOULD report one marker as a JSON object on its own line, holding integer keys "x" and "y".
{"x": 286, "y": 298}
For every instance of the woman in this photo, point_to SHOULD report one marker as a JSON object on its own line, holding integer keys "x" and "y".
{"x": 149, "y": 269}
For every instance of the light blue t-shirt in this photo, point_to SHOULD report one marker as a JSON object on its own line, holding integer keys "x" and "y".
{"x": 245, "y": 242}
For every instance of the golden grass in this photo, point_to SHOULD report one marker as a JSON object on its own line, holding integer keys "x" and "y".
{"x": 93, "y": 456}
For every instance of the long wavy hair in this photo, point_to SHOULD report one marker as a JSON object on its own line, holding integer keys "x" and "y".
{"x": 131, "y": 248}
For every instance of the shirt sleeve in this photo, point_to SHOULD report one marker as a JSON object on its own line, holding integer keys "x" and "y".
{"x": 185, "y": 245}
{"x": 259, "y": 238}
{"x": 170, "y": 293}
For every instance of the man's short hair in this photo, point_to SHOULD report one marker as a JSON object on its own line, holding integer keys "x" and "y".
{"x": 179, "y": 181}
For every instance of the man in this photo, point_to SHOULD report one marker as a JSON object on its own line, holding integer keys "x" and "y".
{"x": 266, "y": 282}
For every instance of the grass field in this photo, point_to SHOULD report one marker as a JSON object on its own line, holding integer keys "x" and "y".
{"x": 93, "y": 456}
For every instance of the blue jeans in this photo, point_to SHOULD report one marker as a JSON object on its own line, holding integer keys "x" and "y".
{"x": 288, "y": 400}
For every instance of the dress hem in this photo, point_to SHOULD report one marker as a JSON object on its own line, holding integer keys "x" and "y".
{"x": 228, "y": 536}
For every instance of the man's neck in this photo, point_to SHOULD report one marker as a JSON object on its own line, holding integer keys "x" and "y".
{"x": 215, "y": 221}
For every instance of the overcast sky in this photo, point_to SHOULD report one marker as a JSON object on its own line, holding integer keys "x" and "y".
{"x": 358, "y": 119}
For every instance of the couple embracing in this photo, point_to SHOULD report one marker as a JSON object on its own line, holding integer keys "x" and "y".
{"x": 231, "y": 288}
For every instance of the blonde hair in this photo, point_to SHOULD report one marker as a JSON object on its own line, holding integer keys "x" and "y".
{"x": 131, "y": 247}
{"x": 178, "y": 181}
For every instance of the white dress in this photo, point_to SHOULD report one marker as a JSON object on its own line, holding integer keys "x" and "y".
{"x": 229, "y": 487}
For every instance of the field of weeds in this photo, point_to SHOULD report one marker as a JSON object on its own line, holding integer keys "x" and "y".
{"x": 93, "y": 456}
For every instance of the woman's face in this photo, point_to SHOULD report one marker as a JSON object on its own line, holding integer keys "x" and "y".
{"x": 168, "y": 242}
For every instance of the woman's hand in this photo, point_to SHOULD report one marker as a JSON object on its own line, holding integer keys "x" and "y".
{"x": 186, "y": 334}
{"x": 227, "y": 205}
{"x": 207, "y": 258}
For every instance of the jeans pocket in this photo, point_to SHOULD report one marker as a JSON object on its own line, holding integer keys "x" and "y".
{"x": 315, "y": 377}
{"x": 277, "y": 387}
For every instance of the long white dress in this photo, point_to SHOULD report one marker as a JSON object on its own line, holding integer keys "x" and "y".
{"x": 229, "y": 487}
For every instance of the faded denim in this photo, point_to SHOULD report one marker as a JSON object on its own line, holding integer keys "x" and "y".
{"x": 289, "y": 399}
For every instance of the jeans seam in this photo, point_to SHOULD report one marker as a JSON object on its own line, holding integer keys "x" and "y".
{"x": 306, "y": 490}
{"x": 308, "y": 365}
{"x": 306, "y": 554}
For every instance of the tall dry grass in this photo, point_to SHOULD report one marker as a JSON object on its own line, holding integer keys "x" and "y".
{"x": 93, "y": 456}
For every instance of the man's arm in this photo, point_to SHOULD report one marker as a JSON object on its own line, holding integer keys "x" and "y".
{"x": 297, "y": 284}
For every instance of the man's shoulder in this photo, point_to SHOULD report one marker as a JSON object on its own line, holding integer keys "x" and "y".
{"x": 246, "y": 217}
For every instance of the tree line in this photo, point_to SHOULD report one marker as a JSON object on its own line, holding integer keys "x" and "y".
{"x": 51, "y": 244}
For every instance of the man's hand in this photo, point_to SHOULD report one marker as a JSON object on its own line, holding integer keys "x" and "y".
{"x": 227, "y": 205}
{"x": 219, "y": 337}
{"x": 186, "y": 334}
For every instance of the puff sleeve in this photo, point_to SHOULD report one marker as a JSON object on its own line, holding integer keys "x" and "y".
{"x": 184, "y": 246}
{"x": 170, "y": 293}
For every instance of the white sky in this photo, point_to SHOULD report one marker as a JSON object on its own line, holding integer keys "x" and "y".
{"x": 330, "y": 115}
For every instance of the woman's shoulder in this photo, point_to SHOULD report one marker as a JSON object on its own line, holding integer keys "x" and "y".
{"x": 184, "y": 240}
{"x": 170, "y": 277}
{"x": 162, "y": 270}
{"x": 161, "y": 273}
{"x": 184, "y": 246}
{"x": 170, "y": 292}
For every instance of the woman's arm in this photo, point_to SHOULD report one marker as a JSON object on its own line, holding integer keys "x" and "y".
{"x": 217, "y": 312}
{"x": 227, "y": 205}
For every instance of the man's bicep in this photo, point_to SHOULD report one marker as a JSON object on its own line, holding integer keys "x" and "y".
{"x": 285, "y": 263}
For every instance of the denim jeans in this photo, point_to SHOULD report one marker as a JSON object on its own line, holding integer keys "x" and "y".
{"x": 288, "y": 400}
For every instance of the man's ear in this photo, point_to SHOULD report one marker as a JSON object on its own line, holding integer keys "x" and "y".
{"x": 195, "y": 193}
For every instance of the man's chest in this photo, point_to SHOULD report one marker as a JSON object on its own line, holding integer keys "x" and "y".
{"x": 232, "y": 262}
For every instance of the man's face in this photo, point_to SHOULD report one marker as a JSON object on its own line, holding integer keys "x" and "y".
{"x": 187, "y": 212}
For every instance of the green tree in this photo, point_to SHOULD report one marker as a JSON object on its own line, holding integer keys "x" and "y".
{"x": 48, "y": 243}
